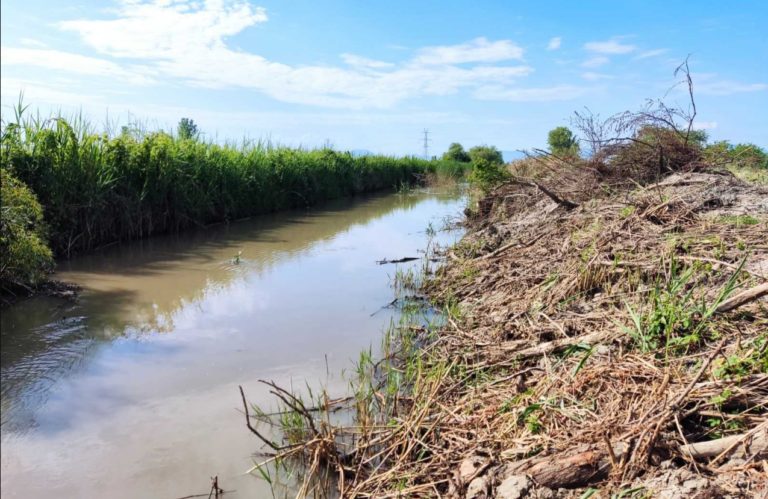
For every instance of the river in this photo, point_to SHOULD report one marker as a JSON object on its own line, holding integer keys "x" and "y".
{"x": 131, "y": 392}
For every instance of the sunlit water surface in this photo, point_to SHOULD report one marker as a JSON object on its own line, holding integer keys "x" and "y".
{"x": 132, "y": 391}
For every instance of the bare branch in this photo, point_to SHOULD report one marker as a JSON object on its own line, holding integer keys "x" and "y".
{"x": 568, "y": 205}
{"x": 250, "y": 426}
{"x": 683, "y": 68}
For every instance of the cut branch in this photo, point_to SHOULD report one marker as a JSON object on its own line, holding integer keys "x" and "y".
{"x": 743, "y": 298}
{"x": 754, "y": 443}
{"x": 568, "y": 205}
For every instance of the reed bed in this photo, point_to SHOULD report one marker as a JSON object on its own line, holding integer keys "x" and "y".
{"x": 97, "y": 188}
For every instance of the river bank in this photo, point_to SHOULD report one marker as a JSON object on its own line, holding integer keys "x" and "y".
{"x": 601, "y": 338}
{"x": 617, "y": 347}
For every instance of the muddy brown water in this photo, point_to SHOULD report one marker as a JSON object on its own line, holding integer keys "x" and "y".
{"x": 131, "y": 392}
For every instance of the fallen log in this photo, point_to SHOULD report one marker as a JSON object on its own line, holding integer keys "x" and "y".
{"x": 570, "y": 472}
{"x": 588, "y": 465}
{"x": 576, "y": 469}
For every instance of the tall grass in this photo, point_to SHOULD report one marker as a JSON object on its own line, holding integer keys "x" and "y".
{"x": 96, "y": 188}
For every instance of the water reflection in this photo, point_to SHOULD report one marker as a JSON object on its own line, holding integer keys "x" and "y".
{"x": 140, "y": 375}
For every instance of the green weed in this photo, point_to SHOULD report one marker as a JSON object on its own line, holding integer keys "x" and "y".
{"x": 675, "y": 318}
{"x": 738, "y": 220}
{"x": 751, "y": 359}
{"x": 627, "y": 211}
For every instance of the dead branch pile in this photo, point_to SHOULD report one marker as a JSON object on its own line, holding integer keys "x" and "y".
{"x": 620, "y": 343}
{"x": 606, "y": 336}
{"x": 556, "y": 303}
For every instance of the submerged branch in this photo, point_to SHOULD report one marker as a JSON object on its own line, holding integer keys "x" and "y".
{"x": 250, "y": 426}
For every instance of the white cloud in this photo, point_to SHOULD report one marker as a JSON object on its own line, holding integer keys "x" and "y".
{"x": 477, "y": 50}
{"x": 38, "y": 92}
{"x": 31, "y": 42}
{"x": 596, "y": 62}
{"x": 727, "y": 87}
{"x": 162, "y": 29}
{"x": 609, "y": 47}
{"x": 185, "y": 41}
{"x": 556, "y": 93}
{"x": 128, "y": 110}
{"x": 359, "y": 61}
{"x": 554, "y": 43}
{"x": 705, "y": 125}
{"x": 651, "y": 53}
{"x": 592, "y": 76}
{"x": 67, "y": 61}
{"x": 712, "y": 84}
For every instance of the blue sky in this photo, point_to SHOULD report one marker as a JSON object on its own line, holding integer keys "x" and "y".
{"x": 372, "y": 75}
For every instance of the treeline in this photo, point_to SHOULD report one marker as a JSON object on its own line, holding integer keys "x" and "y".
{"x": 96, "y": 189}
{"x": 654, "y": 147}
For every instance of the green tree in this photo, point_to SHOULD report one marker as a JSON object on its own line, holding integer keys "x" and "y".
{"x": 26, "y": 257}
{"x": 750, "y": 155}
{"x": 187, "y": 129}
{"x": 486, "y": 153}
{"x": 562, "y": 142}
{"x": 456, "y": 152}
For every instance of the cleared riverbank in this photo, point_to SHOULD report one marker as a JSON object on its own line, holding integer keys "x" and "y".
{"x": 601, "y": 338}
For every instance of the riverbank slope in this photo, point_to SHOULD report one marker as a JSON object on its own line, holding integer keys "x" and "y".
{"x": 605, "y": 335}
{"x": 616, "y": 345}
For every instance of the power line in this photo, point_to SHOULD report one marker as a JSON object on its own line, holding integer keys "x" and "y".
{"x": 426, "y": 143}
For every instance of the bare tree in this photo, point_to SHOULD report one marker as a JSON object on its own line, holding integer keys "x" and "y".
{"x": 664, "y": 131}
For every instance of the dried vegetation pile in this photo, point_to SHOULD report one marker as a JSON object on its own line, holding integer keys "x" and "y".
{"x": 606, "y": 335}
{"x": 620, "y": 344}
{"x": 603, "y": 338}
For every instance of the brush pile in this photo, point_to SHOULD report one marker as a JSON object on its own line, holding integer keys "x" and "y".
{"x": 596, "y": 345}
{"x": 621, "y": 344}
{"x": 606, "y": 335}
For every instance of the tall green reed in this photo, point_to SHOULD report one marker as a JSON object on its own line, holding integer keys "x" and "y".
{"x": 98, "y": 188}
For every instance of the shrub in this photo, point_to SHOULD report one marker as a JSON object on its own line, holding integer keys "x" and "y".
{"x": 654, "y": 152}
{"x": 448, "y": 168}
{"x": 25, "y": 256}
{"x": 486, "y": 153}
{"x": 456, "y": 152}
{"x": 487, "y": 174}
{"x": 749, "y": 155}
{"x": 747, "y": 161}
